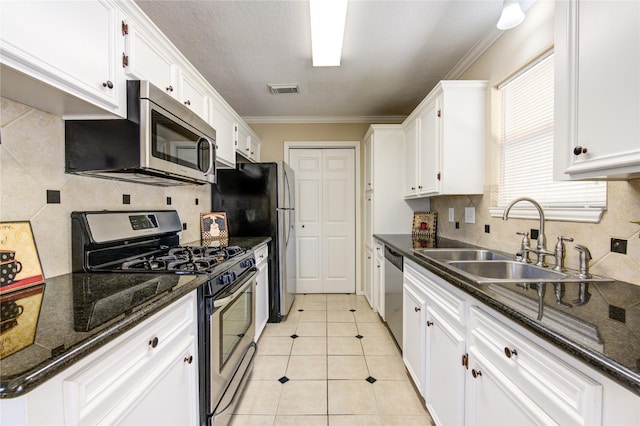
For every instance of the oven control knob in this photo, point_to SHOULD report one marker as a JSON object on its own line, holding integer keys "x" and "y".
{"x": 248, "y": 263}
{"x": 226, "y": 278}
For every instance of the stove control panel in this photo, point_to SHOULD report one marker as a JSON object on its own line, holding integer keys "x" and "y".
{"x": 143, "y": 221}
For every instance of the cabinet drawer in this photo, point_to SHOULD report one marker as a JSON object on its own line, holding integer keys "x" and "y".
{"x": 261, "y": 253}
{"x": 92, "y": 391}
{"x": 442, "y": 296}
{"x": 563, "y": 392}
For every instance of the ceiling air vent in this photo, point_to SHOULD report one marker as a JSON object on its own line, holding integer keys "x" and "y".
{"x": 281, "y": 89}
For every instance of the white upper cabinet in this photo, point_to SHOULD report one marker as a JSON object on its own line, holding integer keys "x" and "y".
{"x": 74, "y": 48}
{"x": 77, "y": 62}
{"x": 445, "y": 141}
{"x": 597, "y": 90}
{"x": 386, "y": 211}
{"x": 148, "y": 59}
{"x": 247, "y": 143}
{"x": 194, "y": 94}
{"x": 223, "y": 122}
{"x": 243, "y": 141}
{"x": 410, "y": 187}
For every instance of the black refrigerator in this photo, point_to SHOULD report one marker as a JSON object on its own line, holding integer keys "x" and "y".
{"x": 259, "y": 199}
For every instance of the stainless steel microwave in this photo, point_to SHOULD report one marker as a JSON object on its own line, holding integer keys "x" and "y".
{"x": 162, "y": 142}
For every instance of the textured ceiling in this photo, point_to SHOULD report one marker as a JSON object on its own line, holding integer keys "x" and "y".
{"x": 394, "y": 52}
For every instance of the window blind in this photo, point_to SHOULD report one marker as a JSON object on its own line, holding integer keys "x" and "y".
{"x": 527, "y": 150}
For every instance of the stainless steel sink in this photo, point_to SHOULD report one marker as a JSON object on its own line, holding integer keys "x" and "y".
{"x": 486, "y": 266}
{"x": 450, "y": 255}
{"x": 508, "y": 271}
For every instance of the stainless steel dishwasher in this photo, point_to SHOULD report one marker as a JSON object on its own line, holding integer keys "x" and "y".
{"x": 393, "y": 266}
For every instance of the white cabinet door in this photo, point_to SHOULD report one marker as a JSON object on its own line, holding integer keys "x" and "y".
{"x": 596, "y": 110}
{"x": 492, "y": 399}
{"x": 148, "y": 59}
{"x": 429, "y": 149}
{"x": 368, "y": 162}
{"x": 254, "y": 150}
{"x": 445, "y": 372}
{"x": 262, "y": 290}
{"x": 368, "y": 219}
{"x": 74, "y": 46}
{"x": 243, "y": 141}
{"x": 225, "y": 134}
{"x": 378, "y": 279}
{"x": 413, "y": 304}
{"x": 173, "y": 385}
{"x": 194, "y": 95}
{"x": 368, "y": 275}
{"x": 410, "y": 188}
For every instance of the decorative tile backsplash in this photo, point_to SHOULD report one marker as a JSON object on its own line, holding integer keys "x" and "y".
{"x": 623, "y": 208}
{"x": 34, "y": 187}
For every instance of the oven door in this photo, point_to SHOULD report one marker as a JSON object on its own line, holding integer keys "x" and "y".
{"x": 231, "y": 333}
{"x": 173, "y": 146}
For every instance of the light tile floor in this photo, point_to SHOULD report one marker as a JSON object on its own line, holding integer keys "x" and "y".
{"x": 327, "y": 368}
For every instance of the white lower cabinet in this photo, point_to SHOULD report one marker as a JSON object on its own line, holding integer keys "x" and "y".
{"x": 368, "y": 275}
{"x": 262, "y": 289}
{"x": 564, "y": 394}
{"x": 147, "y": 376}
{"x": 413, "y": 320}
{"x": 444, "y": 375}
{"x": 378, "y": 279}
{"x": 493, "y": 399}
{"x": 473, "y": 366}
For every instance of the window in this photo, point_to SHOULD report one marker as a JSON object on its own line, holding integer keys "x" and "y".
{"x": 527, "y": 152}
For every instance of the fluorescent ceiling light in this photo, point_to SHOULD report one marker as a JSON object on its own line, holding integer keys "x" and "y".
{"x": 328, "y": 19}
{"x": 512, "y": 15}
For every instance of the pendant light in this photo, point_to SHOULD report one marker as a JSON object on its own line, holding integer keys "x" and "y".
{"x": 512, "y": 15}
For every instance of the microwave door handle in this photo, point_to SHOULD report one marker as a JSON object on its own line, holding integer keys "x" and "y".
{"x": 211, "y": 158}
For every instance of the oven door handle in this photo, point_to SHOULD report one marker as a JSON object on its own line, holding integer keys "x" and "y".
{"x": 240, "y": 288}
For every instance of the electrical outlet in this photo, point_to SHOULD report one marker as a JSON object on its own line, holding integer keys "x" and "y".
{"x": 452, "y": 214}
{"x": 469, "y": 215}
{"x": 534, "y": 233}
{"x": 619, "y": 245}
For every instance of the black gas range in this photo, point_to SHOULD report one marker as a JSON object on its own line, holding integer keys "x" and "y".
{"x": 148, "y": 242}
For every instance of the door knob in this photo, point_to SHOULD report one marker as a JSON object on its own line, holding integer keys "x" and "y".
{"x": 476, "y": 373}
{"x": 417, "y": 309}
{"x": 429, "y": 323}
{"x": 579, "y": 150}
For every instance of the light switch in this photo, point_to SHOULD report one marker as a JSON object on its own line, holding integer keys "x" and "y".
{"x": 452, "y": 214}
{"x": 469, "y": 215}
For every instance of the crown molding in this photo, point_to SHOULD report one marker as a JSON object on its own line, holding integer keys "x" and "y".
{"x": 383, "y": 119}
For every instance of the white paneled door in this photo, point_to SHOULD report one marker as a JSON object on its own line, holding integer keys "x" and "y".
{"x": 325, "y": 219}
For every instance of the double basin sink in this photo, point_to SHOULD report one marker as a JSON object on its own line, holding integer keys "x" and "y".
{"x": 486, "y": 266}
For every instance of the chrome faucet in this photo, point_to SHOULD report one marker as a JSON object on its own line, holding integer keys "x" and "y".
{"x": 541, "y": 249}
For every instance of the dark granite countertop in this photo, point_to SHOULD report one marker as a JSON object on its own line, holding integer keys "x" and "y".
{"x": 604, "y": 332}
{"x": 70, "y": 316}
